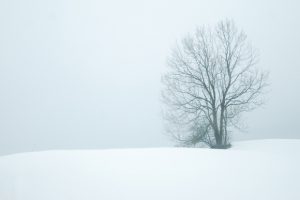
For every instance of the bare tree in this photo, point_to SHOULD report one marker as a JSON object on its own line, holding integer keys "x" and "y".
{"x": 211, "y": 80}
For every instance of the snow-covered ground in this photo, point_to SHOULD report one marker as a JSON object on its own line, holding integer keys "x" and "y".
{"x": 262, "y": 169}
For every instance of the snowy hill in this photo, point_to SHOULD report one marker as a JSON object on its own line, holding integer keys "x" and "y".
{"x": 263, "y": 169}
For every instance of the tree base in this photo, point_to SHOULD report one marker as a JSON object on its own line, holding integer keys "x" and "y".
{"x": 225, "y": 146}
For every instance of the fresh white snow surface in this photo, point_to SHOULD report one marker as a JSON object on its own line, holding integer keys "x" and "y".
{"x": 262, "y": 169}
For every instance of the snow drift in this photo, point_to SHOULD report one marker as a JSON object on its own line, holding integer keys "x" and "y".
{"x": 266, "y": 169}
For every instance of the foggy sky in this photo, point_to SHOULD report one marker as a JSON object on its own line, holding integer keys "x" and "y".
{"x": 86, "y": 74}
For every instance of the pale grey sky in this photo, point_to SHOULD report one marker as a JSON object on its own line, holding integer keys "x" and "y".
{"x": 86, "y": 74}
